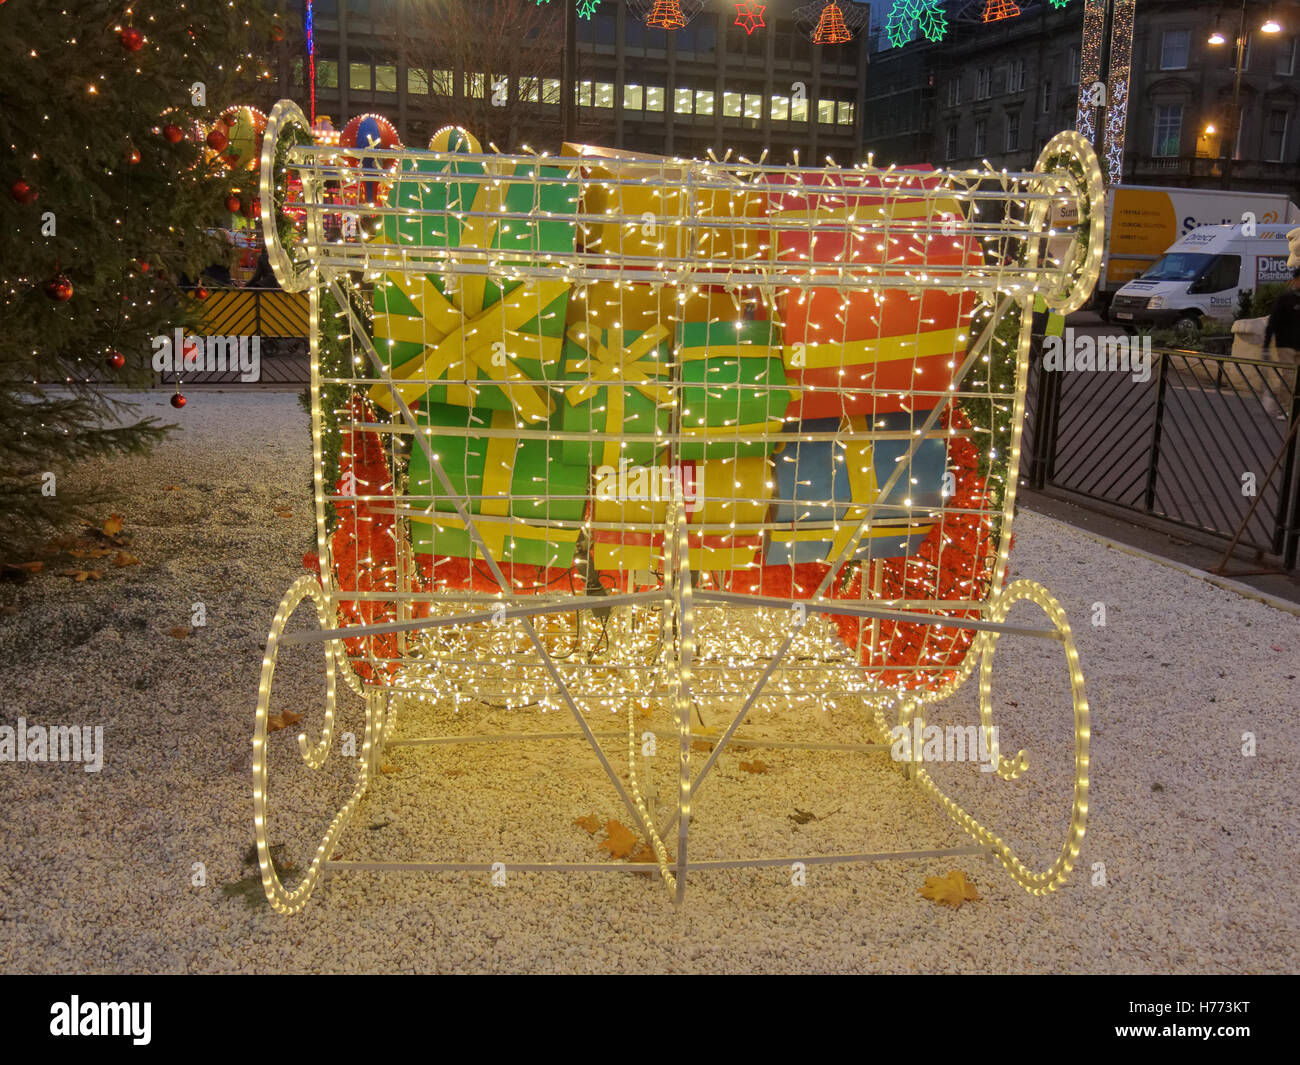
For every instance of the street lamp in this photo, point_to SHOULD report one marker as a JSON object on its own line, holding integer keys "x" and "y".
{"x": 1270, "y": 25}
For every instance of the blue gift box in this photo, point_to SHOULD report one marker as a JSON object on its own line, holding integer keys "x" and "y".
{"x": 824, "y": 481}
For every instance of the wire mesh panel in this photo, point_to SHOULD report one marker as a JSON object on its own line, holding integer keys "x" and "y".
{"x": 606, "y": 430}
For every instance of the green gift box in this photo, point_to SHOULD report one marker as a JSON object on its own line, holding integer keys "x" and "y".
{"x": 512, "y": 485}
{"x": 464, "y": 339}
{"x": 640, "y": 406}
{"x": 734, "y": 397}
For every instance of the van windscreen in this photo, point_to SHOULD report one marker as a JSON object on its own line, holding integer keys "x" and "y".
{"x": 1178, "y": 266}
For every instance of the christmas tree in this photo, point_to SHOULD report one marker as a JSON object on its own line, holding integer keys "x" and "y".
{"x": 111, "y": 194}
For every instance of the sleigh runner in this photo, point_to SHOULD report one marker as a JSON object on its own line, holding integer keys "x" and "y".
{"x": 704, "y": 402}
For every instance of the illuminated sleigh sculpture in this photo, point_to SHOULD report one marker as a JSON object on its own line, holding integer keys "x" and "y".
{"x": 694, "y": 398}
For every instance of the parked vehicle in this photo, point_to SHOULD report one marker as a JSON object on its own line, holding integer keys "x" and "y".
{"x": 1201, "y": 275}
{"x": 1143, "y": 221}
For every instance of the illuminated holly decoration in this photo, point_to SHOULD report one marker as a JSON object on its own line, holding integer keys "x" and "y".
{"x": 909, "y": 16}
{"x": 997, "y": 10}
{"x": 668, "y": 14}
{"x": 750, "y": 16}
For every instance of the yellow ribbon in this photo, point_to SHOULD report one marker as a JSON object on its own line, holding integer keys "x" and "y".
{"x": 614, "y": 362}
{"x": 844, "y": 354}
{"x": 472, "y": 343}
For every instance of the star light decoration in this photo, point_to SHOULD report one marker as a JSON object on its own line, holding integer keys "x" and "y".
{"x": 750, "y": 16}
{"x": 910, "y": 16}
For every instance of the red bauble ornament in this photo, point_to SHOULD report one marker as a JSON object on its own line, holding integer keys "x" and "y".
{"x": 59, "y": 288}
{"x": 142, "y": 266}
{"x": 250, "y": 208}
{"x": 132, "y": 155}
{"x": 277, "y": 33}
{"x": 23, "y": 192}
{"x": 201, "y": 292}
{"x": 116, "y": 360}
{"x": 233, "y": 203}
{"x": 173, "y": 133}
{"x": 178, "y": 401}
{"x": 132, "y": 39}
{"x": 217, "y": 140}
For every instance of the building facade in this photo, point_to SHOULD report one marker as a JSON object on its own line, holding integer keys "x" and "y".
{"x": 998, "y": 91}
{"x": 496, "y": 64}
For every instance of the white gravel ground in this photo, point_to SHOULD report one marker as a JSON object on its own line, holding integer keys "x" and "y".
{"x": 96, "y": 870}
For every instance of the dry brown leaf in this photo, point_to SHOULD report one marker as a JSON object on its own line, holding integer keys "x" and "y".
{"x": 30, "y": 567}
{"x": 591, "y": 823}
{"x": 284, "y": 513}
{"x": 703, "y": 746}
{"x": 90, "y": 552}
{"x": 755, "y": 766}
{"x": 182, "y": 632}
{"x": 290, "y": 718}
{"x": 113, "y": 526}
{"x": 80, "y": 575}
{"x": 274, "y": 723}
{"x": 951, "y": 890}
{"x": 125, "y": 558}
{"x": 172, "y": 488}
{"x": 622, "y": 840}
{"x": 388, "y": 770}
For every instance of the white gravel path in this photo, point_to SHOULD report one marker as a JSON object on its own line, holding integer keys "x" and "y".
{"x": 1198, "y": 842}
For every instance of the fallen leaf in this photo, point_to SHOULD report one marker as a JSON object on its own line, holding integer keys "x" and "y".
{"x": 591, "y": 823}
{"x": 125, "y": 558}
{"x": 290, "y": 718}
{"x": 113, "y": 526}
{"x": 951, "y": 890}
{"x": 30, "y": 567}
{"x": 643, "y": 853}
{"x": 90, "y": 552}
{"x": 284, "y": 513}
{"x": 622, "y": 840}
{"x": 755, "y": 766}
{"x": 802, "y": 817}
{"x": 80, "y": 575}
{"x": 389, "y": 770}
{"x": 172, "y": 488}
{"x": 182, "y": 632}
{"x": 702, "y": 745}
{"x": 274, "y": 723}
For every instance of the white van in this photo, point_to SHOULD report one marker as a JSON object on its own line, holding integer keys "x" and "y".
{"x": 1201, "y": 274}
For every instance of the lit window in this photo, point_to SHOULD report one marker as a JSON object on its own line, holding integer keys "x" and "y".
{"x": 781, "y": 108}
{"x": 844, "y": 113}
{"x": 1168, "y": 134}
{"x": 633, "y": 98}
{"x": 753, "y": 106}
{"x": 327, "y": 74}
{"x": 474, "y": 86}
{"x": 604, "y": 94}
{"x": 826, "y": 111}
{"x": 385, "y": 79}
{"x": 530, "y": 89}
{"x": 585, "y": 94}
{"x": 798, "y": 110}
{"x": 551, "y": 90}
{"x": 683, "y": 101}
{"x": 733, "y": 103}
{"x": 359, "y": 76}
{"x": 654, "y": 98}
{"x": 417, "y": 81}
{"x": 704, "y": 102}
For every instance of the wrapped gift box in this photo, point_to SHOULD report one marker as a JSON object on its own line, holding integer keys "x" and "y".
{"x": 718, "y": 493}
{"x": 639, "y": 407}
{"x": 893, "y": 339}
{"x": 820, "y": 481}
{"x": 476, "y": 341}
{"x": 514, "y": 487}
{"x": 735, "y": 396}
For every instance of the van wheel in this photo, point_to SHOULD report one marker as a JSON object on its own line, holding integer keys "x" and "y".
{"x": 1188, "y": 328}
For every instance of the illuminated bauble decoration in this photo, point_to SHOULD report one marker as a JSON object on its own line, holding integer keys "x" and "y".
{"x": 249, "y": 208}
{"x": 142, "y": 266}
{"x": 178, "y": 401}
{"x": 132, "y": 155}
{"x": 375, "y": 132}
{"x": 116, "y": 360}
{"x": 59, "y": 288}
{"x": 749, "y": 16}
{"x": 201, "y": 292}
{"x": 233, "y": 203}
{"x": 831, "y": 28}
{"x": 23, "y": 192}
{"x": 216, "y": 140}
{"x": 668, "y": 14}
{"x": 997, "y": 10}
{"x": 246, "y": 126}
{"x": 173, "y": 133}
{"x": 131, "y": 39}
